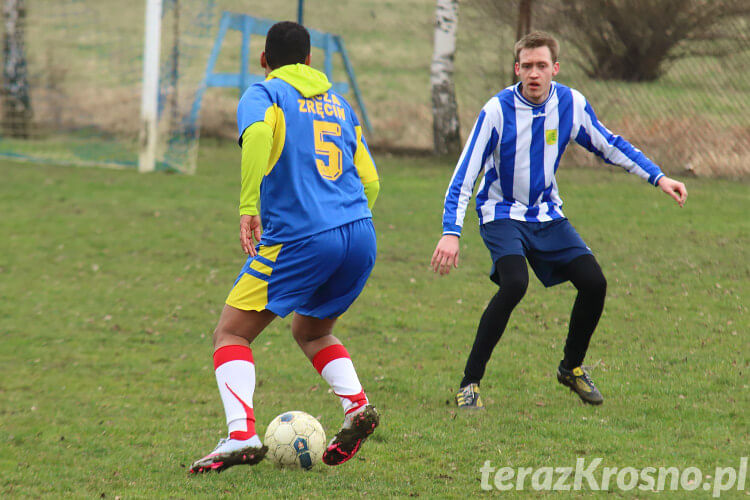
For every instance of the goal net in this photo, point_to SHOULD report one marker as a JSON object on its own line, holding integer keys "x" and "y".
{"x": 73, "y": 73}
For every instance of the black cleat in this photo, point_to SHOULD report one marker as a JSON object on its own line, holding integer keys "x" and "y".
{"x": 347, "y": 442}
{"x": 468, "y": 398}
{"x": 579, "y": 382}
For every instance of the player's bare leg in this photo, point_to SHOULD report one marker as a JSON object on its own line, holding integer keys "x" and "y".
{"x": 235, "y": 375}
{"x": 313, "y": 334}
{"x": 332, "y": 361}
{"x": 240, "y": 327}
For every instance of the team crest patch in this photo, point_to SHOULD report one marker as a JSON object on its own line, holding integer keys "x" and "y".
{"x": 550, "y": 136}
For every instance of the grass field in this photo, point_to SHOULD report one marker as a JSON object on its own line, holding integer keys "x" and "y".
{"x": 111, "y": 284}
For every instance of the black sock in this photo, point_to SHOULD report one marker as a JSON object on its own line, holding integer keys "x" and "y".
{"x": 514, "y": 278}
{"x": 586, "y": 275}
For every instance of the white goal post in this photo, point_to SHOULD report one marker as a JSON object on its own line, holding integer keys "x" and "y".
{"x": 150, "y": 93}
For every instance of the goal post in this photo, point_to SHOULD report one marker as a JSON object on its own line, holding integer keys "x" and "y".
{"x": 150, "y": 88}
{"x": 120, "y": 84}
{"x": 108, "y": 82}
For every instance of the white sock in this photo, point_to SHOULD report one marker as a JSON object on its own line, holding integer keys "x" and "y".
{"x": 336, "y": 367}
{"x": 235, "y": 376}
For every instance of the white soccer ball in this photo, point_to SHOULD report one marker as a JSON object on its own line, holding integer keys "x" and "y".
{"x": 295, "y": 439}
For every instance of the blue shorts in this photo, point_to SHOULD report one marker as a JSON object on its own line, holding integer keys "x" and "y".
{"x": 548, "y": 246}
{"x": 317, "y": 276}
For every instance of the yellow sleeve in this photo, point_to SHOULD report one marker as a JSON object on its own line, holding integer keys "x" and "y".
{"x": 368, "y": 174}
{"x": 257, "y": 141}
{"x": 371, "y": 192}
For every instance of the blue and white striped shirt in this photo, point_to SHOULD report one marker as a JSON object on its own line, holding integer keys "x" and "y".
{"x": 517, "y": 146}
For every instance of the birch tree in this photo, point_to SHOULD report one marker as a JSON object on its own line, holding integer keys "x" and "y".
{"x": 15, "y": 91}
{"x": 445, "y": 124}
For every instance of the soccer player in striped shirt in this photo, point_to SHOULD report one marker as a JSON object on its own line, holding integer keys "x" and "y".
{"x": 307, "y": 174}
{"x": 516, "y": 145}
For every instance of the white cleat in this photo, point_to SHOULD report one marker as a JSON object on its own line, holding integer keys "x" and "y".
{"x": 231, "y": 452}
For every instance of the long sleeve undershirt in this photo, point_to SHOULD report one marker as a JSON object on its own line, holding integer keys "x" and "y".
{"x": 256, "y": 150}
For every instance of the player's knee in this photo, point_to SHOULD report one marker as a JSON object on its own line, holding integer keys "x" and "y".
{"x": 219, "y": 335}
{"x": 595, "y": 285}
{"x": 299, "y": 336}
{"x": 514, "y": 287}
{"x": 600, "y": 285}
{"x": 304, "y": 336}
{"x": 223, "y": 335}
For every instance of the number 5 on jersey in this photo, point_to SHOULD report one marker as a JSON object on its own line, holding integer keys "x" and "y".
{"x": 331, "y": 169}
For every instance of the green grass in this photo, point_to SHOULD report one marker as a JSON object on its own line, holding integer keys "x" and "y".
{"x": 111, "y": 283}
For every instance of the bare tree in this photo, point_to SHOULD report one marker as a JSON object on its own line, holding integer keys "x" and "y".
{"x": 445, "y": 124}
{"x": 15, "y": 92}
{"x": 634, "y": 40}
{"x": 523, "y": 26}
{"x": 515, "y": 14}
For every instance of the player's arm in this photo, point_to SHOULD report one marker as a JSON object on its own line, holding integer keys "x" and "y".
{"x": 257, "y": 141}
{"x": 595, "y": 137}
{"x": 613, "y": 149}
{"x": 482, "y": 141}
{"x": 256, "y": 149}
{"x": 673, "y": 188}
{"x": 256, "y": 125}
{"x": 365, "y": 165}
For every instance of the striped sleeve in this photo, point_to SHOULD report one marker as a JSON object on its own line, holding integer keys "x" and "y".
{"x": 481, "y": 143}
{"x": 612, "y": 148}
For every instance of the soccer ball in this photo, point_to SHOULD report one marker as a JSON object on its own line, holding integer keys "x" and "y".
{"x": 295, "y": 439}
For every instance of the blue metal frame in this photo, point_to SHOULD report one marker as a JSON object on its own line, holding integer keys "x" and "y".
{"x": 250, "y": 25}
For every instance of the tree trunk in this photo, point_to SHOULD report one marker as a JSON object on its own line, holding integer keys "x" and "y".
{"x": 15, "y": 92}
{"x": 445, "y": 124}
{"x": 523, "y": 27}
{"x": 524, "y": 19}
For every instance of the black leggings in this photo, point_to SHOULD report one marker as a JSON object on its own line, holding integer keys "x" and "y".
{"x": 585, "y": 274}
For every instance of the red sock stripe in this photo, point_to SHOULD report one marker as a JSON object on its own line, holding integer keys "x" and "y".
{"x": 232, "y": 353}
{"x": 249, "y": 421}
{"x": 241, "y": 435}
{"x": 250, "y": 432}
{"x": 358, "y": 400}
{"x": 328, "y": 354}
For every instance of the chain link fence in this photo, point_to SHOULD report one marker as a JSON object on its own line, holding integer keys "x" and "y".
{"x": 694, "y": 118}
{"x": 84, "y": 65}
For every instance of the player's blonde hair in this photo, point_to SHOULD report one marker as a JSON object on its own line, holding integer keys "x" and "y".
{"x": 537, "y": 39}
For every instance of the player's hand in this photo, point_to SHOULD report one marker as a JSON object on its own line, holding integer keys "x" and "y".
{"x": 674, "y": 188}
{"x": 249, "y": 230}
{"x": 446, "y": 254}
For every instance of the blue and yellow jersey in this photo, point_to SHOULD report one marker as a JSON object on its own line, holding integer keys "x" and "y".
{"x": 304, "y": 158}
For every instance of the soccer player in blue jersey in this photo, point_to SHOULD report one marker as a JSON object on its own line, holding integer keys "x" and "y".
{"x": 309, "y": 178}
{"x": 516, "y": 145}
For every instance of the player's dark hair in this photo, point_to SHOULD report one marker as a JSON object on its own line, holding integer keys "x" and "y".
{"x": 287, "y": 43}
{"x": 537, "y": 39}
